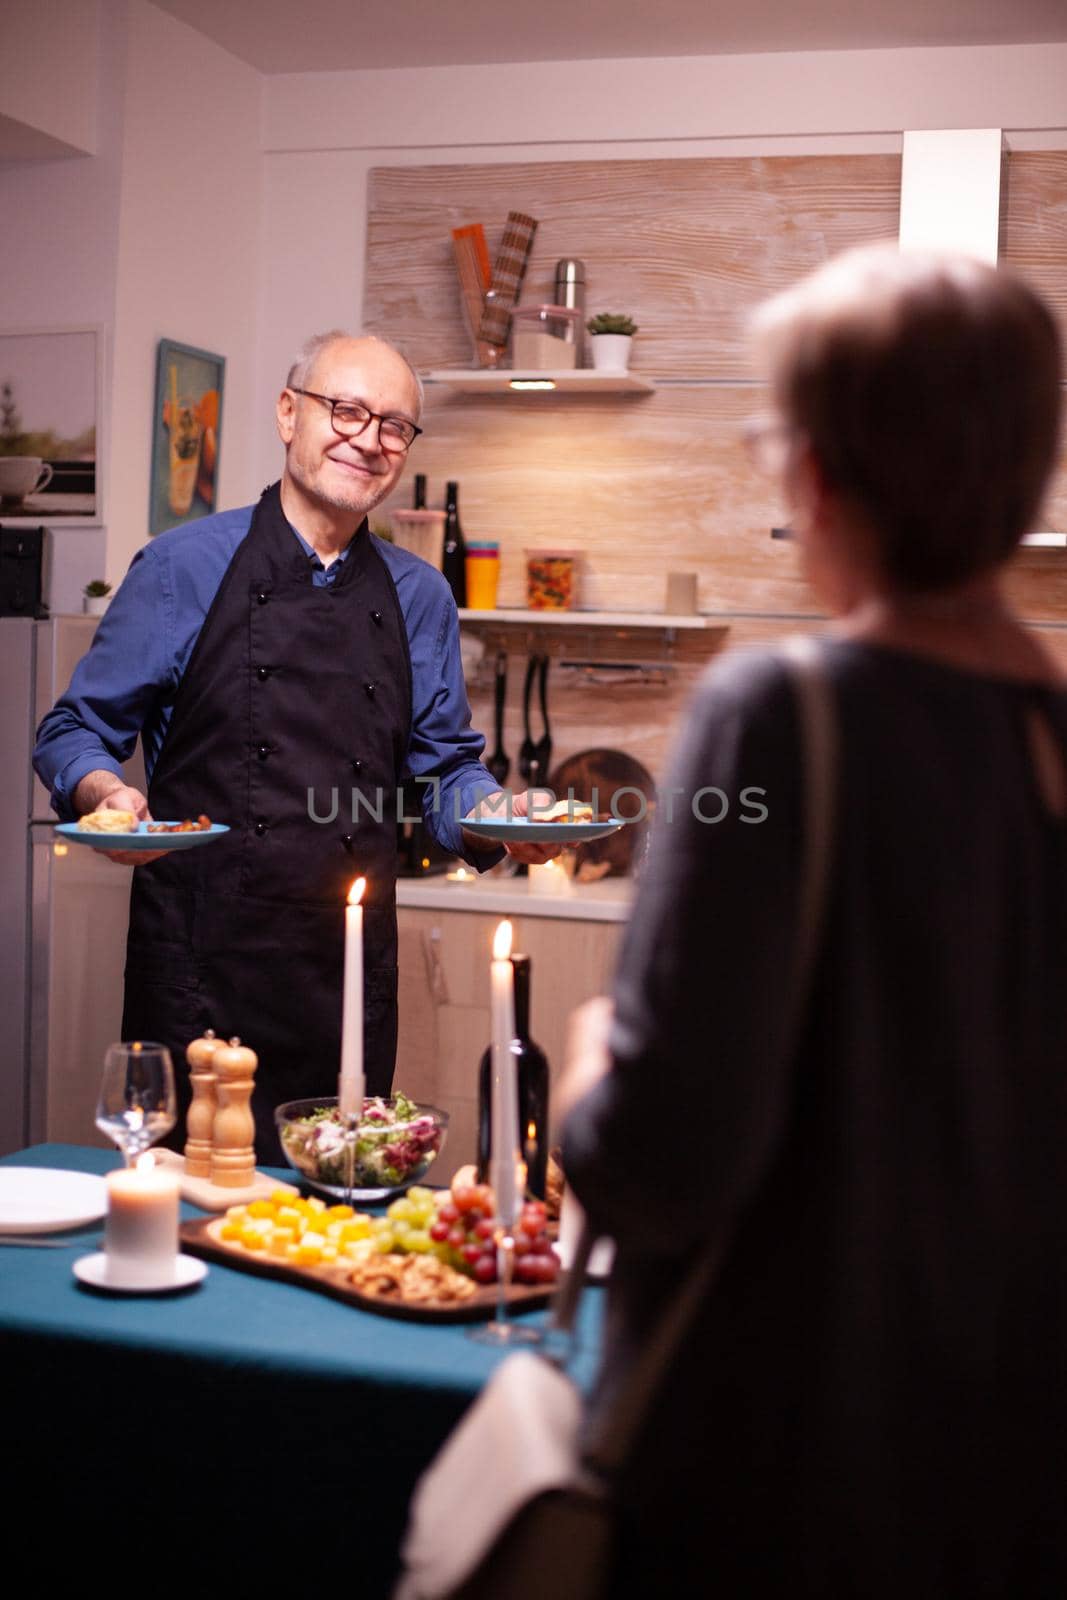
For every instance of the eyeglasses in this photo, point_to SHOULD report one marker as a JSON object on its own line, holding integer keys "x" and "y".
{"x": 349, "y": 418}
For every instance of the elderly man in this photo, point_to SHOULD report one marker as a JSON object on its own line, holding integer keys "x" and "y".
{"x": 268, "y": 657}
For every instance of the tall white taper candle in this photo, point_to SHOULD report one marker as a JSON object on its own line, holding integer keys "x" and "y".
{"x": 504, "y": 1154}
{"x": 350, "y": 1088}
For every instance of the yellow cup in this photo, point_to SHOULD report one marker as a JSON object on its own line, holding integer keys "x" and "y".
{"x": 483, "y": 576}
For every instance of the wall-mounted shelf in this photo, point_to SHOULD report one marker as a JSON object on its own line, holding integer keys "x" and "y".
{"x": 577, "y": 380}
{"x": 592, "y": 619}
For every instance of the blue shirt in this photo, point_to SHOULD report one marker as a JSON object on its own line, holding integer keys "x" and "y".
{"x": 127, "y": 683}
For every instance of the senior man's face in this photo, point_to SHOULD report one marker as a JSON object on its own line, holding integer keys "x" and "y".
{"x": 350, "y": 475}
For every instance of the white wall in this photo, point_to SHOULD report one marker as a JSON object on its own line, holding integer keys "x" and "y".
{"x": 48, "y": 71}
{"x": 323, "y": 132}
{"x": 58, "y": 267}
{"x": 188, "y": 251}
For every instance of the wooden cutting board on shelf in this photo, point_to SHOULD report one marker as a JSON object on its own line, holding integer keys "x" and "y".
{"x": 201, "y": 1238}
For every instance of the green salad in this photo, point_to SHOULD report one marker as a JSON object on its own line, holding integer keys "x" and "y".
{"x": 395, "y": 1144}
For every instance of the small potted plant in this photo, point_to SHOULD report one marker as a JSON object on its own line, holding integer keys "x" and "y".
{"x": 613, "y": 335}
{"x": 96, "y": 597}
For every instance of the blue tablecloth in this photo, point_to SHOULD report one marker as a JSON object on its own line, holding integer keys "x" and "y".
{"x": 293, "y": 1425}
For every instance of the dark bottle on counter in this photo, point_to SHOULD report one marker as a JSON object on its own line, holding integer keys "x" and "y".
{"x": 532, "y": 1066}
{"x": 454, "y": 563}
{"x": 419, "y": 502}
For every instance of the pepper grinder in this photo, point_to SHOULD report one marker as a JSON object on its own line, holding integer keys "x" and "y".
{"x": 200, "y": 1121}
{"x": 570, "y": 291}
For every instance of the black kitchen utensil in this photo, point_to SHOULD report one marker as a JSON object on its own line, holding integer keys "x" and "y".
{"x": 543, "y": 751}
{"x": 499, "y": 762}
{"x": 528, "y": 748}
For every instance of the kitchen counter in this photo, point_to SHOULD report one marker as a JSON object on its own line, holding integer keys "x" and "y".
{"x": 607, "y": 900}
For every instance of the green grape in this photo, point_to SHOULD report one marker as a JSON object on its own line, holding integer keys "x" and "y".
{"x": 383, "y": 1243}
{"x": 402, "y": 1210}
{"x": 418, "y": 1243}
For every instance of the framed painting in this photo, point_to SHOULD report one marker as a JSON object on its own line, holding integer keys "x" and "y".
{"x": 51, "y": 383}
{"x": 186, "y": 430}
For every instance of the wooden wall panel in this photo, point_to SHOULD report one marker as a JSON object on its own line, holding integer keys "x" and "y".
{"x": 644, "y": 485}
{"x": 640, "y": 485}
{"x": 1034, "y": 228}
{"x": 687, "y": 247}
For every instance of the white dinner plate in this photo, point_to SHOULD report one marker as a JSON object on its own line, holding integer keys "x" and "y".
{"x": 47, "y": 1199}
{"x": 142, "y": 839}
{"x": 100, "y": 1273}
{"x": 521, "y": 831}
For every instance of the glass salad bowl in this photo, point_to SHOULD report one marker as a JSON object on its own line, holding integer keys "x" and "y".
{"x": 396, "y": 1142}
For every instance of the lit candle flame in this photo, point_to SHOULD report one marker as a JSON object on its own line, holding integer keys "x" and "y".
{"x": 355, "y": 894}
{"x": 531, "y": 1131}
{"x": 502, "y": 942}
{"x": 145, "y": 1162}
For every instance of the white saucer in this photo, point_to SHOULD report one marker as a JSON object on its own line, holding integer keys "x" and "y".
{"x": 98, "y": 1272}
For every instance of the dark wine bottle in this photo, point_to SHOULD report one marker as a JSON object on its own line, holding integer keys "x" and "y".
{"x": 419, "y": 502}
{"x": 454, "y": 564}
{"x": 532, "y": 1067}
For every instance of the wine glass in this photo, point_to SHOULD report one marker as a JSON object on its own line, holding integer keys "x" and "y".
{"x": 502, "y": 1331}
{"x": 138, "y": 1103}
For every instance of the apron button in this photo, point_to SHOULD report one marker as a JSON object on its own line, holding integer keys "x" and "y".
{"x": 357, "y": 766}
{"x": 262, "y": 597}
{"x": 261, "y": 828}
{"x": 263, "y": 752}
{"x": 376, "y": 616}
{"x": 372, "y": 689}
{"x": 262, "y": 673}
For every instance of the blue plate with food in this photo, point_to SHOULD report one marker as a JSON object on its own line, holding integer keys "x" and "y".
{"x": 566, "y": 822}
{"x": 120, "y": 830}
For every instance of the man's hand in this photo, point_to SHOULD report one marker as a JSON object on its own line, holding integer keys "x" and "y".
{"x": 496, "y": 806}
{"x": 105, "y": 791}
{"x": 586, "y": 1056}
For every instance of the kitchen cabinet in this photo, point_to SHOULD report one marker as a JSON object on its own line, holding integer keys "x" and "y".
{"x": 444, "y": 1001}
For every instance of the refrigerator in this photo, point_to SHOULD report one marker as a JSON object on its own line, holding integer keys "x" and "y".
{"x": 64, "y": 911}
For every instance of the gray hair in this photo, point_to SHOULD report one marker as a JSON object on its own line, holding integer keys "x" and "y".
{"x": 312, "y": 348}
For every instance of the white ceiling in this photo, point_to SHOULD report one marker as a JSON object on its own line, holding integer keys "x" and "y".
{"x": 338, "y": 35}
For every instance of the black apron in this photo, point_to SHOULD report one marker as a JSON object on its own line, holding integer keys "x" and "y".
{"x": 293, "y": 694}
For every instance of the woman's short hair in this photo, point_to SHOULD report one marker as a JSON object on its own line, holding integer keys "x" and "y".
{"x": 928, "y": 388}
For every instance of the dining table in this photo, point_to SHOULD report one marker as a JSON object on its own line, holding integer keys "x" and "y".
{"x": 244, "y": 1433}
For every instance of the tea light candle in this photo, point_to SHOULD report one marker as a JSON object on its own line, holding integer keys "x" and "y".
{"x": 548, "y": 878}
{"x": 504, "y": 1157}
{"x": 461, "y": 875}
{"x": 141, "y": 1231}
{"x": 350, "y": 1088}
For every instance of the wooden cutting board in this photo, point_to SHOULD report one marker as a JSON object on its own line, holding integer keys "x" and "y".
{"x": 201, "y": 1238}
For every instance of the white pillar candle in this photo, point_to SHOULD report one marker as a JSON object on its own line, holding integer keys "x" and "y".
{"x": 350, "y": 1088}
{"x": 504, "y": 1157}
{"x": 141, "y": 1231}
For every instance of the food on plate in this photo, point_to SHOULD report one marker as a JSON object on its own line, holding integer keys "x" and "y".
{"x": 395, "y": 1143}
{"x": 303, "y": 1233}
{"x": 466, "y": 1230}
{"x": 201, "y": 825}
{"x": 413, "y": 1279}
{"x": 565, "y": 811}
{"x": 108, "y": 822}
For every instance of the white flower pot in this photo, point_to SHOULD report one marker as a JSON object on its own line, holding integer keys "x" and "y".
{"x": 95, "y": 605}
{"x": 611, "y": 351}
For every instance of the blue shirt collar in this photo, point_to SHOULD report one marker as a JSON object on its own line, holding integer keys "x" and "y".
{"x": 317, "y": 563}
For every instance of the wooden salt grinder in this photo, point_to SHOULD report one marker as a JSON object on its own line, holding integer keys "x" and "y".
{"x": 233, "y": 1157}
{"x": 200, "y": 1122}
